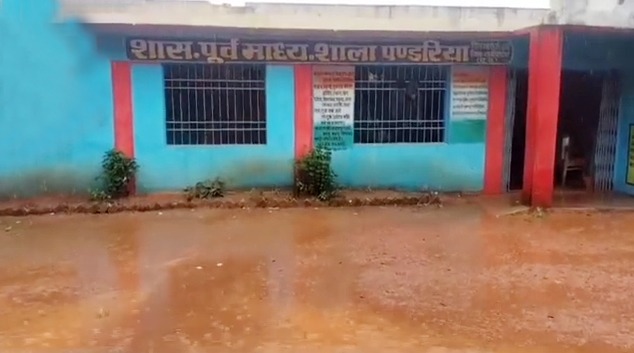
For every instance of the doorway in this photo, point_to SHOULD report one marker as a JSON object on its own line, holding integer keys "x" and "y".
{"x": 581, "y": 97}
{"x": 516, "y": 129}
{"x": 586, "y": 132}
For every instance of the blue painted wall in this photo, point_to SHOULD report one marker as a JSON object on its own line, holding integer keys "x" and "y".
{"x": 56, "y": 116}
{"x": 622, "y": 149}
{"x": 171, "y": 168}
{"x": 587, "y": 51}
{"x": 456, "y": 165}
{"x": 443, "y": 167}
{"x": 597, "y": 51}
{"x": 520, "y": 52}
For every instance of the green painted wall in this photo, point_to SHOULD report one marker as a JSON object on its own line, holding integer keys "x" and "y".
{"x": 467, "y": 131}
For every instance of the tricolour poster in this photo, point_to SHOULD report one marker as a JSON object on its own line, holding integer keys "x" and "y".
{"x": 469, "y": 93}
{"x": 333, "y": 106}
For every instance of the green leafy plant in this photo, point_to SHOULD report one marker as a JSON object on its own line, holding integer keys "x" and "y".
{"x": 314, "y": 175}
{"x": 117, "y": 172}
{"x": 99, "y": 195}
{"x": 206, "y": 189}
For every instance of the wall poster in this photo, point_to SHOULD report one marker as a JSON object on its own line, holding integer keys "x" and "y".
{"x": 469, "y": 93}
{"x": 333, "y": 106}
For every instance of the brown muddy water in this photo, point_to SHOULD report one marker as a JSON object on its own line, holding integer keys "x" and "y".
{"x": 451, "y": 280}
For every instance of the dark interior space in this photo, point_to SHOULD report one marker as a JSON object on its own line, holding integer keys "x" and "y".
{"x": 579, "y": 111}
{"x": 519, "y": 131}
{"x": 580, "y": 103}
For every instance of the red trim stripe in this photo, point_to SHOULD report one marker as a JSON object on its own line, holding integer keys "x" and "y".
{"x": 303, "y": 110}
{"x": 123, "y": 127}
{"x": 494, "y": 163}
{"x": 123, "y": 113}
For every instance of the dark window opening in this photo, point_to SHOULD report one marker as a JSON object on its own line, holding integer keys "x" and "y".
{"x": 215, "y": 104}
{"x": 400, "y": 104}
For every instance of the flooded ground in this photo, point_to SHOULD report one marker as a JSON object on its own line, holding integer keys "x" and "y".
{"x": 424, "y": 280}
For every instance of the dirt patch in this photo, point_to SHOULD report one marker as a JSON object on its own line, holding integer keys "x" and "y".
{"x": 560, "y": 279}
{"x": 238, "y": 199}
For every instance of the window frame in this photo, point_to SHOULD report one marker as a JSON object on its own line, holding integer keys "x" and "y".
{"x": 224, "y": 105}
{"x": 440, "y": 81}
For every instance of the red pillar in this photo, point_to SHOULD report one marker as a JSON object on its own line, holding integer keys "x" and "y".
{"x": 303, "y": 110}
{"x": 545, "y": 62}
{"x": 494, "y": 162}
{"x": 122, "y": 92}
{"x": 123, "y": 113}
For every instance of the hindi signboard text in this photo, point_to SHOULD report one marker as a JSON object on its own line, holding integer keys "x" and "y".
{"x": 237, "y": 50}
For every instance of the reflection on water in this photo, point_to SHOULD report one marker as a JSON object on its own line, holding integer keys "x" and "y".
{"x": 304, "y": 280}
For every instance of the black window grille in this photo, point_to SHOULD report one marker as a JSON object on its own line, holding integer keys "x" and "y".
{"x": 400, "y": 104}
{"x": 215, "y": 104}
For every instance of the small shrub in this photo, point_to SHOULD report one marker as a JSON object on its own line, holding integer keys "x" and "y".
{"x": 99, "y": 195}
{"x": 206, "y": 189}
{"x": 314, "y": 175}
{"x": 117, "y": 172}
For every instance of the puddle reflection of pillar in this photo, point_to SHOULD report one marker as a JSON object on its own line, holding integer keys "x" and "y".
{"x": 493, "y": 245}
{"x": 95, "y": 263}
{"x": 121, "y": 250}
{"x": 504, "y": 253}
{"x": 155, "y": 250}
{"x": 153, "y": 320}
{"x": 321, "y": 259}
{"x": 282, "y": 273}
{"x": 124, "y": 253}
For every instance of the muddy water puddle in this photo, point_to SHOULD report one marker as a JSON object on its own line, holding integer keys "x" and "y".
{"x": 452, "y": 280}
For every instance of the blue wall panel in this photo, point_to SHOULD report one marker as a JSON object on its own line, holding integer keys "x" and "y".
{"x": 171, "y": 168}
{"x": 625, "y": 119}
{"x": 597, "y": 51}
{"x": 457, "y": 165}
{"x": 520, "y": 52}
{"x": 442, "y": 167}
{"x": 583, "y": 51}
{"x": 56, "y": 114}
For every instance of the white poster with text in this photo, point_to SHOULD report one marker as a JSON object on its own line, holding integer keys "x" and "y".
{"x": 469, "y": 93}
{"x": 333, "y": 106}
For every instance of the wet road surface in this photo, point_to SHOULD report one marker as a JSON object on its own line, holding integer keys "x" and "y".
{"x": 450, "y": 280}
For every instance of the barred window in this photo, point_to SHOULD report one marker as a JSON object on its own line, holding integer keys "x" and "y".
{"x": 215, "y": 104}
{"x": 398, "y": 103}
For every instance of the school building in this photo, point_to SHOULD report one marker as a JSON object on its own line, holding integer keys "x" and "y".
{"x": 473, "y": 100}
